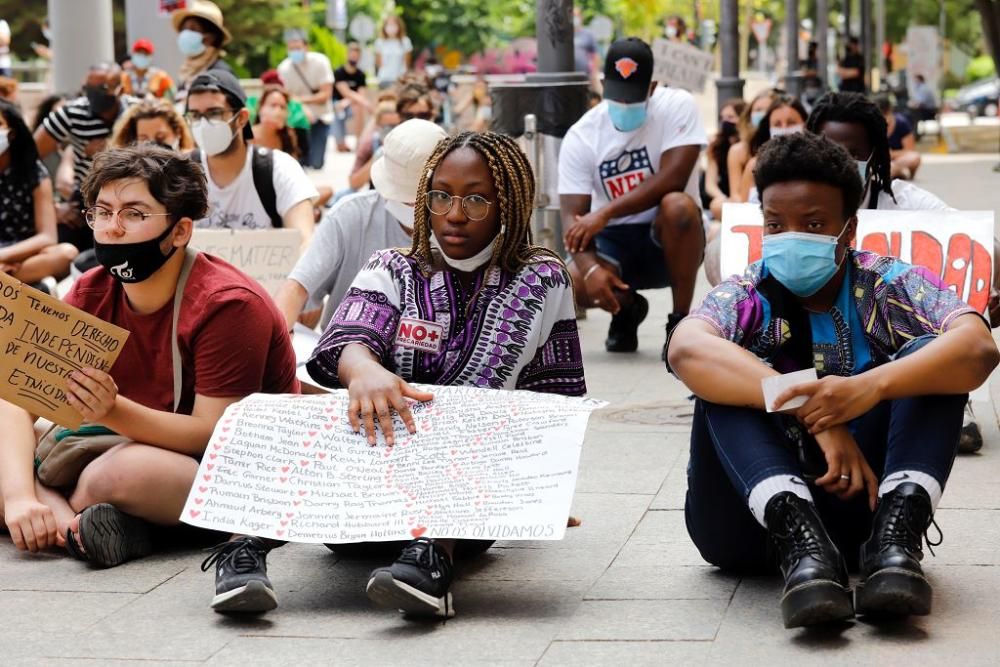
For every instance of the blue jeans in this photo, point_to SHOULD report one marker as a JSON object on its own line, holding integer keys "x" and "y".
{"x": 340, "y": 119}
{"x": 732, "y": 449}
{"x": 318, "y": 133}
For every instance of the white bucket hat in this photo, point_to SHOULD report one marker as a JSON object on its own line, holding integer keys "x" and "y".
{"x": 396, "y": 174}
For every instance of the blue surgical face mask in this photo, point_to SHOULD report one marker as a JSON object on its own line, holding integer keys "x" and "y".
{"x": 297, "y": 56}
{"x": 141, "y": 61}
{"x": 627, "y": 117}
{"x": 800, "y": 261}
{"x": 756, "y": 117}
{"x": 190, "y": 43}
{"x": 863, "y": 170}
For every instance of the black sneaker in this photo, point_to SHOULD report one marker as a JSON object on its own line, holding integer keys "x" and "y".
{"x": 970, "y": 439}
{"x": 816, "y": 584}
{"x": 892, "y": 581}
{"x": 109, "y": 537}
{"x": 623, "y": 334}
{"x": 673, "y": 319}
{"x": 417, "y": 583}
{"x": 241, "y": 583}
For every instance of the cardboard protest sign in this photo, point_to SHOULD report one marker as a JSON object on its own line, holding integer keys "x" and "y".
{"x": 43, "y": 341}
{"x": 483, "y": 464}
{"x": 266, "y": 255}
{"x": 681, "y": 65}
{"x": 956, "y": 246}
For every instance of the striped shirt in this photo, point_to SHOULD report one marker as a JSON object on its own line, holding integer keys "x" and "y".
{"x": 74, "y": 124}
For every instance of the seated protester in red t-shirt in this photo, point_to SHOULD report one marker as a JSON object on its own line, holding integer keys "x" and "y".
{"x": 142, "y": 203}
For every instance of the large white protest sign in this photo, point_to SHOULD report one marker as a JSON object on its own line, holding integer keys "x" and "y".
{"x": 483, "y": 464}
{"x": 266, "y": 255}
{"x": 681, "y": 65}
{"x": 956, "y": 246}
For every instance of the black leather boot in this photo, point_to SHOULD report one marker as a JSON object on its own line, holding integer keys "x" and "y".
{"x": 816, "y": 584}
{"x": 892, "y": 581}
{"x": 623, "y": 333}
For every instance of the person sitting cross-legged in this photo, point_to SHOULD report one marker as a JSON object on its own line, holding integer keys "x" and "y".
{"x": 175, "y": 376}
{"x": 854, "y": 475}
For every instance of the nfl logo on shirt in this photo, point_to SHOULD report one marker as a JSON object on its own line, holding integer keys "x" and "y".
{"x": 626, "y": 172}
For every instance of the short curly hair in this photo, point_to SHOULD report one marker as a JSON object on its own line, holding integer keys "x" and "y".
{"x": 809, "y": 157}
{"x": 174, "y": 180}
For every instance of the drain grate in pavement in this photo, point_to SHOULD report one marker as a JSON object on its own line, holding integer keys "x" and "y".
{"x": 660, "y": 413}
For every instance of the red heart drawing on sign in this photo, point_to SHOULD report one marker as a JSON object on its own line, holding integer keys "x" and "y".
{"x": 216, "y": 446}
{"x": 428, "y": 511}
{"x": 312, "y": 434}
{"x": 280, "y": 532}
{"x": 303, "y": 463}
{"x": 411, "y": 521}
{"x": 207, "y": 478}
{"x": 296, "y": 502}
{"x": 418, "y": 531}
{"x": 198, "y": 501}
{"x": 283, "y": 479}
{"x": 302, "y": 493}
{"x": 213, "y": 456}
{"x": 203, "y": 489}
{"x": 322, "y": 455}
{"x": 284, "y": 522}
{"x": 285, "y": 468}
{"x": 454, "y": 451}
{"x": 409, "y": 504}
{"x": 329, "y": 411}
{"x": 194, "y": 514}
{"x": 225, "y": 429}
{"x": 334, "y": 419}
{"x": 289, "y": 514}
{"x": 327, "y": 426}
{"x": 210, "y": 465}
{"x": 222, "y": 439}
{"x": 306, "y": 443}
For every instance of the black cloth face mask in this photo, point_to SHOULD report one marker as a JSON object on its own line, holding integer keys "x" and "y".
{"x": 134, "y": 262}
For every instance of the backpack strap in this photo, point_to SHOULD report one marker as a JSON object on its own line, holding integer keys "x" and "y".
{"x": 262, "y": 166}
{"x": 175, "y": 350}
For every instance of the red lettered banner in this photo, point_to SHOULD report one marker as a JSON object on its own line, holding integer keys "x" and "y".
{"x": 957, "y": 246}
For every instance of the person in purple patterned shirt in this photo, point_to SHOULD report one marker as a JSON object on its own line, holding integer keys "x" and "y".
{"x": 472, "y": 303}
{"x": 859, "y": 468}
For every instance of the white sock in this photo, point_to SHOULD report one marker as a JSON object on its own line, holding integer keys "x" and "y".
{"x": 929, "y": 484}
{"x": 761, "y": 494}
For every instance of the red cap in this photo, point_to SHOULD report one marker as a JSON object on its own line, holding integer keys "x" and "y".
{"x": 143, "y": 45}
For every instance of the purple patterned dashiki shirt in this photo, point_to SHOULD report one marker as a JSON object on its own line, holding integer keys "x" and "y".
{"x": 883, "y": 303}
{"x": 519, "y": 333}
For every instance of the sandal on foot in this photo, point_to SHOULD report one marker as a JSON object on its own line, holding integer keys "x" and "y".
{"x": 109, "y": 537}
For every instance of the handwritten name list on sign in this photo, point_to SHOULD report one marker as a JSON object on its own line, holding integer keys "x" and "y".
{"x": 483, "y": 464}
{"x": 43, "y": 341}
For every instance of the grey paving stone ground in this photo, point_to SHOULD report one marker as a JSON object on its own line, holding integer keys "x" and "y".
{"x": 627, "y": 587}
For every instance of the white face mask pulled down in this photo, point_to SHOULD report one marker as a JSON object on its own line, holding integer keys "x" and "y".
{"x": 4, "y": 141}
{"x": 403, "y": 213}
{"x": 472, "y": 263}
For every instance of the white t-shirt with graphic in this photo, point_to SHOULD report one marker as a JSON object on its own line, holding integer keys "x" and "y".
{"x": 598, "y": 160}
{"x": 238, "y": 206}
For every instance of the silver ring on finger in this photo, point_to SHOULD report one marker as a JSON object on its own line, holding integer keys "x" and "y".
{"x": 846, "y": 478}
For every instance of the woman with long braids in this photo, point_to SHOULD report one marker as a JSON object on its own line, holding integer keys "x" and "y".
{"x": 502, "y": 311}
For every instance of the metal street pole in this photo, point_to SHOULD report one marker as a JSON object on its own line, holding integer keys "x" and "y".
{"x": 72, "y": 54}
{"x": 847, "y": 19}
{"x": 866, "y": 41}
{"x": 822, "y": 32}
{"x": 554, "y": 32}
{"x": 730, "y": 84}
{"x": 883, "y": 70}
{"x": 793, "y": 76}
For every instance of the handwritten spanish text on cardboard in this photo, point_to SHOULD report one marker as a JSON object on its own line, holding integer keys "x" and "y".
{"x": 956, "y": 246}
{"x": 266, "y": 255}
{"x": 681, "y": 65}
{"x": 483, "y": 464}
{"x": 43, "y": 341}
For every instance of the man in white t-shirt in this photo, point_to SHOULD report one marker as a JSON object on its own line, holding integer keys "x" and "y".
{"x": 628, "y": 191}
{"x": 309, "y": 78}
{"x": 362, "y": 223}
{"x": 220, "y": 122}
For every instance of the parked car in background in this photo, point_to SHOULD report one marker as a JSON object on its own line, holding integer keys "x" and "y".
{"x": 979, "y": 98}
